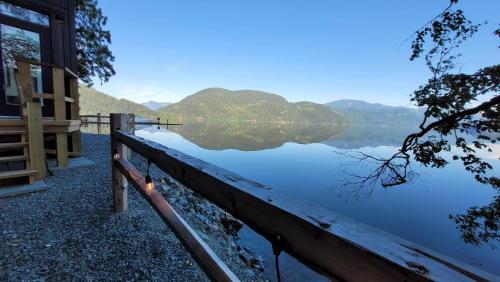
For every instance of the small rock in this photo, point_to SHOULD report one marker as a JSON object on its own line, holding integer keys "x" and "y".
{"x": 249, "y": 273}
{"x": 231, "y": 224}
{"x": 201, "y": 218}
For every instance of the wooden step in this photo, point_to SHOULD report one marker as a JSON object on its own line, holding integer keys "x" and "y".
{"x": 17, "y": 173}
{"x": 13, "y": 159}
{"x": 12, "y": 132}
{"x": 13, "y": 145}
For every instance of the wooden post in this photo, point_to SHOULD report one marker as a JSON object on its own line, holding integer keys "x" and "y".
{"x": 119, "y": 182}
{"x": 32, "y": 114}
{"x": 131, "y": 129}
{"x": 75, "y": 114}
{"x": 60, "y": 115}
{"x": 35, "y": 137}
{"x": 98, "y": 123}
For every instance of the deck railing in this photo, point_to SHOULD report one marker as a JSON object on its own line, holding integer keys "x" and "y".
{"x": 34, "y": 129}
{"x": 331, "y": 244}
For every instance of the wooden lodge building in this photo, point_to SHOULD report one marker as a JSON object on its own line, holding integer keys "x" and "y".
{"x": 39, "y": 110}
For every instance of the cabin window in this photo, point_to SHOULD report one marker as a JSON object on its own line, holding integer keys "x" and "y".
{"x": 17, "y": 42}
{"x": 23, "y": 14}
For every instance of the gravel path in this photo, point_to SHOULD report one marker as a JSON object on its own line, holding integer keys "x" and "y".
{"x": 70, "y": 232}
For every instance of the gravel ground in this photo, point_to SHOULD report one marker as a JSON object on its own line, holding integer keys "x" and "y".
{"x": 70, "y": 232}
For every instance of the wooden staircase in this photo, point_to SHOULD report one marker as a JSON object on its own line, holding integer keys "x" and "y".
{"x": 21, "y": 140}
{"x": 14, "y": 153}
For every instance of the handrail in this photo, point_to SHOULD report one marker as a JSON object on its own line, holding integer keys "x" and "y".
{"x": 43, "y": 64}
{"x": 95, "y": 116}
{"x": 99, "y": 121}
{"x": 123, "y": 172}
{"x": 202, "y": 253}
{"x": 329, "y": 243}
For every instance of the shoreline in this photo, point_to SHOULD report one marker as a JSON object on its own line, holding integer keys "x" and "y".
{"x": 217, "y": 228}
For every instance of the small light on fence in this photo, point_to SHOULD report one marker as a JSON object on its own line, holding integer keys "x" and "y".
{"x": 149, "y": 183}
{"x": 116, "y": 155}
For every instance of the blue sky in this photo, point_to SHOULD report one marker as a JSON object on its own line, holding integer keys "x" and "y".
{"x": 319, "y": 50}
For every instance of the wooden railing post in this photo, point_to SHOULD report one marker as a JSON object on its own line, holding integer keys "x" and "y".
{"x": 60, "y": 115}
{"x": 31, "y": 112}
{"x": 75, "y": 115}
{"x": 119, "y": 182}
{"x": 131, "y": 129}
{"x": 98, "y": 123}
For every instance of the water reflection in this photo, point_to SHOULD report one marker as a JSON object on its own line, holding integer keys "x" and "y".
{"x": 301, "y": 161}
{"x": 253, "y": 136}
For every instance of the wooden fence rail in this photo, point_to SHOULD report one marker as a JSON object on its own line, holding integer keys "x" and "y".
{"x": 201, "y": 252}
{"x": 101, "y": 120}
{"x": 333, "y": 245}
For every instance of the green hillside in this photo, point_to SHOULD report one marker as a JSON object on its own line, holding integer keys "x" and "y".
{"x": 93, "y": 102}
{"x": 222, "y": 105}
{"x": 361, "y": 113}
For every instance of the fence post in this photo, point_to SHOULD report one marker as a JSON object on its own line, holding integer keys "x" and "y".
{"x": 131, "y": 129}
{"x": 119, "y": 182}
{"x": 99, "y": 123}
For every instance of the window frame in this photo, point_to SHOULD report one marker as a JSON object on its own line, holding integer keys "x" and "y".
{"x": 46, "y": 57}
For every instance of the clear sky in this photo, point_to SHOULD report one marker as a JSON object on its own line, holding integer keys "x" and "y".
{"x": 315, "y": 50}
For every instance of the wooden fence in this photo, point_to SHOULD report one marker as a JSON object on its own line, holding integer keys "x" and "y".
{"x": 101, "y": 121}
{"x": 331, "y": 244}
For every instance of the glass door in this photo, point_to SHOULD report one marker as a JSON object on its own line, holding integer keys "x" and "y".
{"x": 17, "y": 42}
{"x": 26, "y": 34}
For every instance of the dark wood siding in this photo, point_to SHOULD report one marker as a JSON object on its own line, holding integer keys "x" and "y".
{"x": 59, "y": 43}
{"x": 62, "y": 25}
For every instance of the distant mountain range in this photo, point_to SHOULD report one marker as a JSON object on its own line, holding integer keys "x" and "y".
{"x": 153, "y": 105}
{"x": 363, "y": 113}
{"x": 222, "y": 105}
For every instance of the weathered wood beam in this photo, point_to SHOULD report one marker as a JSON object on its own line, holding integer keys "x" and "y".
{"x": 48, "y": 122}
{"x": 44, "y": 96}
{"x": 119, "y": 182}
{"x": 32, "y": 112}
{"x": 75, "y": 115}
{"x": 93, "y": 116}
{"x": 330, "y": 243}
{"x": 59, "y": 129}
{"x": 71, "y": 74}
{"x": 60, "y": 115}
{"x": 215, "y": 269}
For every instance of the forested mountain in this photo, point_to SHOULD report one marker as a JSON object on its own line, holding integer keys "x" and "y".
{"x": 218, "y": 104}
{"x": 222, "y": 105}
{"x": 153, "y": 105}
{"x": 364, "y": 113}
{"x": 93, "y": 101}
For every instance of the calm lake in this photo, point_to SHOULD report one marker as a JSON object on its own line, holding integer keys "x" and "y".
{"x": 304, "y": 163}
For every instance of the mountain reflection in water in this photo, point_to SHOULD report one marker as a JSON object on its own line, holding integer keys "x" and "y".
{"x": 254, "y": 136}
